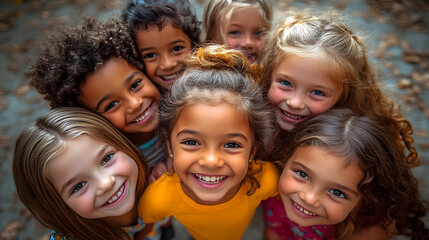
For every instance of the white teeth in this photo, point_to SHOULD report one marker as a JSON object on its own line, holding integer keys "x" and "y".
{"x": 114, "y": 198}
{"x": 171, "y": 77}
{"x": 304, "y": 210}
{"x": 141, "y": 118}
{"x": 296, "y": 117}
{"x": 210, "y": 180}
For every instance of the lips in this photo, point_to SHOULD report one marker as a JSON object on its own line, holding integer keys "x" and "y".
{"x": 210, "y": 181}
{"x": 142, "y": 117}
{"x": 172, "y": 77}
{"x": 293, "y": 116}
{"x": 302, "y": 210}
{"x": 116, "y": 196}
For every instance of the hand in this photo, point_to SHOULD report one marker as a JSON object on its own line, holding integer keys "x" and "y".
{"x": 159, "y": 169}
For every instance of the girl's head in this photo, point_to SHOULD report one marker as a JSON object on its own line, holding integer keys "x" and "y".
{"x": 341, "y": 167}
{"x": 240, "y": 24}
{"x": 313, "y": 63}
{"x": 215, "y": 120}
{"x": 165, "y": 31}
{"x": 78, "y": 174}
{"x": 96, "y": 65}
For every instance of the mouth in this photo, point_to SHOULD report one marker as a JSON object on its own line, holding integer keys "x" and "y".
{"x": 172, "y": 77}
{"x": 206, "y": 179}
{"x": 303, "y": 210}
{"x": 252, "y": 57}
{"x": 143, "y": 116}
{"x": 292, "y": 116}
{"x": 117, "y": 196}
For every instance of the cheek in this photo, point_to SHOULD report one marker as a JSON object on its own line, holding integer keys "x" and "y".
{"x": 260, "y": 44}
{"x": 116, "y": 119}
{"x": 286, "y": 183}
{"x": 317, "y": 108}
{"x": 83, "y": 206}
{"x": 275, "y": 95}
{"x": 232, "y": 42}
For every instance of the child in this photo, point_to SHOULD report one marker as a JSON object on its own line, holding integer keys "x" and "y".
{"x": 343, "y": 168}
{"x": 315, "y": 63}
{"x": 165, "y": 31}
{"x": 96, "y": 65}
{"x": 240, "y": 24}
{"x": 79, "y": 175}
{"x": 215, "y": 121}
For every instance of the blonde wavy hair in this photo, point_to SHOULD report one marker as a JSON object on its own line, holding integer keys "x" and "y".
{"x": 40, "y": 143}
{"x": 218, "y": 75}
{"x": 326, "y": 38}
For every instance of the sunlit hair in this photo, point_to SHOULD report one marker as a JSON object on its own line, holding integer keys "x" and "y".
{"x": 43, "y": 141}
{"x": 217, "y": 15}
{"x": 217, "y": 75}
{"x": 327, "y": 39}
{"x": 390, "y": 192}
{"x": 140, "y": 14}
{"x": 68, "y": 56}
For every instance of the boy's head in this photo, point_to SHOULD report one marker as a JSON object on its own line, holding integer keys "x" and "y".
{"x": 164, "y": 31}
{"x": 96, "y": 65}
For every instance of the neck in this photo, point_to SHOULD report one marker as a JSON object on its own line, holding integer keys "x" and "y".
{"x": 128, "y": 219}
{"x": 140, "y": 138}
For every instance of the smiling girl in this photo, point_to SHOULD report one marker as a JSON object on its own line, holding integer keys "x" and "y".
{"x": 215, "y": 122}
{"x": 80, "y": 176}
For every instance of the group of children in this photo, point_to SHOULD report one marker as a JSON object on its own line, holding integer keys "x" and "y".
{"x": 150, "y": 121}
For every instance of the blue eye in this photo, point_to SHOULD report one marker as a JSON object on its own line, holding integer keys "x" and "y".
{"x": 136, "y": 84}
{"x": 317, "y": 92}
{"x": 286, "y": 83}
{"x": 232, "y": 145}
{"x": 257, "y": 34}
{"x": 302, "y": 175}
{"x": 191, "y": 142}
{"x": 234, "y": 33}
{"x": 177, "y": 48}
{"x": 111, "y": 105}
{"x": 338, "y": 193}
{"x": 106, "y": 159}
{"x": 78, "y": 187}
{"x": 149, "y": 55}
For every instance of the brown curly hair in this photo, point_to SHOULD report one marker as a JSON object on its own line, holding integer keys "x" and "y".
{"x": 69, "y": 56}
{"x": 216, "y": 74}
{"x": 328, "y": 39}
{"x": 390, "y": 193}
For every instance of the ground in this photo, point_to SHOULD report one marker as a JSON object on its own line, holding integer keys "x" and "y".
{"x": 396, "y": 34}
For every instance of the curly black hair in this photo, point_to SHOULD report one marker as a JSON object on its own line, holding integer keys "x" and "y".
{"x": 140, "y": 14}
{"x": 68, "y": 56}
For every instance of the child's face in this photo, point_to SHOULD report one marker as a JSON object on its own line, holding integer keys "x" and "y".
{"x": 163, "y": 53}
{"x": 94, "y": 179}
{"x": 301, "y": 88}
{"x": 318, "y": 188}
{"x": 123, "y": 95}
{"x": 212, "y": 146}
{"x": 245, "y": 32}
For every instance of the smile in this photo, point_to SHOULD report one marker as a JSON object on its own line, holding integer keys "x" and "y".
{"x": 172, "y": 76}
{"x": 117, "y": 195}
{"x": 210, "y": 179}
{"x": 143, "y": 116}
{"x": 303, "y": 210}
{"x": 293, "y": 116}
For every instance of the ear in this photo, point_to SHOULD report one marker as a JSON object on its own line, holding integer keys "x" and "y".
{"x": 170, "y": 152}
{"x": 253, "y": 153}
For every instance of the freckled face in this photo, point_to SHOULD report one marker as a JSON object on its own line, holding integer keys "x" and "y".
{"x": 123, "y": 95}
{"x": 212, "y": 146}
{"x": 163, "y": 53}
{"x": 317, "y": 188}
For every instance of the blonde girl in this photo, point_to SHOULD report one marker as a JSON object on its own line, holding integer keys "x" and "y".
{"x": 343, "y": 168}
{"x": 240, "y": 24}
{"x": 80, "y": 176}
{"x": 313, "y": 63}
{"x": 214, "y": 121}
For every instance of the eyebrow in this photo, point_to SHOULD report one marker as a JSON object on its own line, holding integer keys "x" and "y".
{"x": 104, "y": 98}
{"x": 230, "y": 135}
{"x": 336, "y": 185}
{"x": 73, "y": 179}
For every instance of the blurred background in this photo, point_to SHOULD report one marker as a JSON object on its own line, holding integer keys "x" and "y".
{"x": 397, "y": 38}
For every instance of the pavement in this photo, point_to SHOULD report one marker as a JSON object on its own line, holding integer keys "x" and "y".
{"x": 397, "y": 38}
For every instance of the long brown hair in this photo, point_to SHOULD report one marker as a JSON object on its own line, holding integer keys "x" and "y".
{"x": 390, "y": 192}
{"x": 43, "y": 141}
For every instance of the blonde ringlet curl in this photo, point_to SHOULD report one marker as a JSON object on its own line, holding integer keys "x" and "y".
{"x": 325, "y": 37}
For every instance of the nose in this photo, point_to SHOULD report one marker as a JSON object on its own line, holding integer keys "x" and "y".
{"x": 134, "y": 102}
{"x": 296, "y": 101}
{"x": 105, "y": 182}
{"x": 310, "y": 196}
{"x": 167, "y": 62}
{"x": 247, "y": 41}
{"x": 211, "y": 159}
